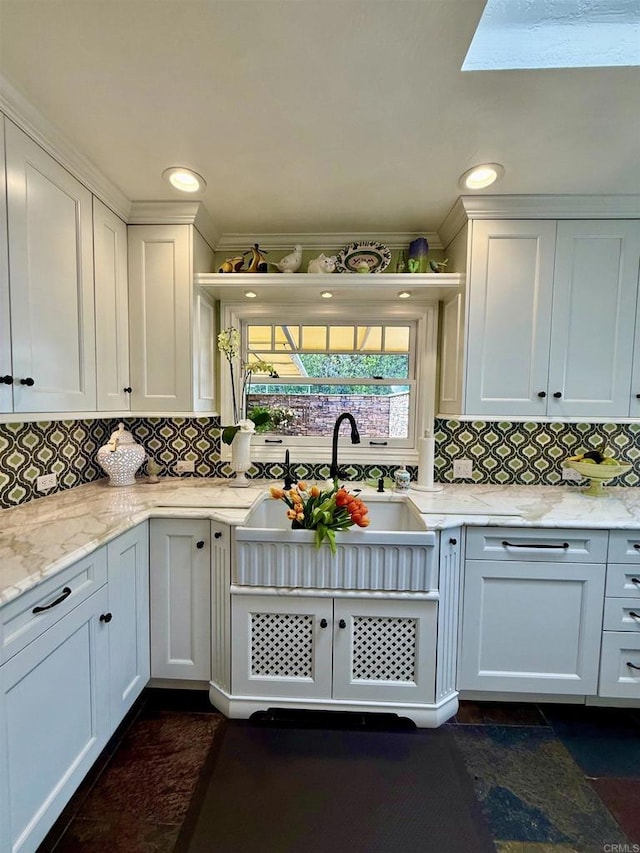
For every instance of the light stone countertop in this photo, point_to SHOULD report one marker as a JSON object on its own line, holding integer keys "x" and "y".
{"x": 39, "y": 538}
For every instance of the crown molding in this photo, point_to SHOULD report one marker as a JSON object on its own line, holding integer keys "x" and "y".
{"x": 16, "y": 107}
{"x": 328, "y": 242}
{"x": 175, "y": 213}
{"x": 453, "y": 222}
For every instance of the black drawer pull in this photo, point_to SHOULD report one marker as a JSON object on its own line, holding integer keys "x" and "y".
{"x": 378, "y": 443}
{"x": 453, "y": 541}
{"x": 128, "y": 389}
{"x": 273, "y": 441}
{"x": 342, "y": 624}
{"x": 542, "y": 394}
{"x": 635, "y": 581}
{"x": 562, "y": 547}
{"x": 636, "y": 545}
{"x": 28, "y": 382}
{"x": 217, "y": 535}
{"x": 557, "y": 394}
{"x": 634, "y": 614}
{"x": 200, "y": 544}
{"x": 66, "y": 592}
{"x": 106, "y": 617}
{"x": 632, "y": 665}
{"x": 7, "y": 379}
{"x": 323, "y": 623}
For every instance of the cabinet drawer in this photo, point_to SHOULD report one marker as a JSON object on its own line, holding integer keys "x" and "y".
{"x": 623, "y": 581}
{"x": 26, "y": 617}
{"x": 624, "y": 546}
{"x": 523, "y": 543}
{"x": 622, "y": 614}
{"x": 620, "y": 665}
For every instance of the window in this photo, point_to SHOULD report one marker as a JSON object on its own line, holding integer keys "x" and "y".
{"x": 326, "y": 363}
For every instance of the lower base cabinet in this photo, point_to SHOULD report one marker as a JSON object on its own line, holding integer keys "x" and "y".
{"x": 75, "y": 657}
{"x": 334, "y": 648}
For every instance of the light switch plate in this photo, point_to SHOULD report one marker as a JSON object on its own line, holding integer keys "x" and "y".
{"x": 185, "y": 466}
{"x": 462, "y": 469}
{"x": 570, "y": 474}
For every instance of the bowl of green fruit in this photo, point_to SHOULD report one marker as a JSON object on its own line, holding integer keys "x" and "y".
{"x": 597, "y": 468}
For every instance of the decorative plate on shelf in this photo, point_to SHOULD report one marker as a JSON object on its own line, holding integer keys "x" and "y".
{"x": 350, "y": 259}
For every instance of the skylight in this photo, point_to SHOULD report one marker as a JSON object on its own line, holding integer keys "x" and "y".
{"x": 555, "y": 34}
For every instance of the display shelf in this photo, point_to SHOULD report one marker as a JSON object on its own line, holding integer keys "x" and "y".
{"x": 345, "y": 287}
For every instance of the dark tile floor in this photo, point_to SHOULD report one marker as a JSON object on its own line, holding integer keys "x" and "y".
{"x": 549, "y": 778}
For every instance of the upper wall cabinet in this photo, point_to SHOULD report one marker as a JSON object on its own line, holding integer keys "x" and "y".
{"x": 50, "y": 282}
{"x": 6, "y": 370}
{"x": 171, "y": 358}
{"x": 112, "y": 309}
{"x": 551, "y": 316}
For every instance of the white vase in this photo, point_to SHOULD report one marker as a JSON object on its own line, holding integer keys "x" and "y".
{"x": 241, "y": 457}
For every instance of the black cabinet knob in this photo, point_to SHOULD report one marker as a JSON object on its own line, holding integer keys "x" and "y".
{"x": 542, "y": 394}
{"x": 106, "y": 617}
{"x": 453, "y": 541}
{"x": 128, "y": 389}
{"x": 217, "y": 535}
{"x": 637, "y": 396}
{"x": 342, "y": 624}
{"x": 28, "y": 381}
{"x": 200, "y": 544}
{"x": 323, "y": 623}
{"x": 557, "y": 394}
{"x": 6, "y": 380}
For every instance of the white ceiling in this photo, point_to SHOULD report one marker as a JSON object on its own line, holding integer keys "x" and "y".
{"x": 313, "y": 115}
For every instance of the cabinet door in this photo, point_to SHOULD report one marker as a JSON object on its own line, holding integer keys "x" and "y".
{"x": 281, "y": 646}
{"x": 221, "y": 605}
{"x": 128, "y": 568}
{"x": 180, "y": 569}
{"x": 594, "y": 304}
{"x": 204, "y": 352}
{"x": 510, "y": 291}
{"x": 51, "y": 263}
{"x": 112, "y": 309}
{"x": 384, "y": 650}
{"x": 620, "y": 665}
{"x": 160, "y": 286}
{"x": 6, "y": 370}
{"x": 531, "y": 627}
{"x": 54, "y": 722}
{"x": 634, "y": 407}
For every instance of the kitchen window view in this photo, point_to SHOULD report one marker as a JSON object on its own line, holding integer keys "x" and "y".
{"x": 321, "y": 370}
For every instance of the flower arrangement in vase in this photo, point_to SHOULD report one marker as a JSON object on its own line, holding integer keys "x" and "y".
{"x": 326, "y": 511}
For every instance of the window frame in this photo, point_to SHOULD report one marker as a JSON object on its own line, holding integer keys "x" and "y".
{"x": 316, "y": 449}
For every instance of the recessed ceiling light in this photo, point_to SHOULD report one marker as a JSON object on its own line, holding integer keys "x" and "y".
{"x": 250, "y": 294}
{"x": 326, "y": 294}
{"x": 404, "y": 294}
{"x": 479, "y": 177}
{"x": 183, "y": 179}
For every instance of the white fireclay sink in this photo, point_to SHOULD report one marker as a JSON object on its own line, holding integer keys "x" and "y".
{"x": 396, "y": 551}
{"x": 385, "y": 515}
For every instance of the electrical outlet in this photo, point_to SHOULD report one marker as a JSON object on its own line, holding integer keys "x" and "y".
{"x": 185, "y": 466}
{"x": 462, "y": 469}
{"x": 46, "y": 482}
{"x": 570, "y": 474}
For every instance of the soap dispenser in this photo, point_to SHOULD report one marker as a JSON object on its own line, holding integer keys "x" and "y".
{"x": 402, "y": 479}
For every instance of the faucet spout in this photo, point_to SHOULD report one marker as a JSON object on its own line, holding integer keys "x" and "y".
{"x": 355, "y": 439}
{"x": 288, "y": 481}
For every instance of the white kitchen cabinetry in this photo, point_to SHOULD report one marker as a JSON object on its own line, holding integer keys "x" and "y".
{"x": 180, "y": 572}
{"x": 532, "y": 611}
{"x": 620, "y": 658}
{"x": 51, "y": 268}
{"x": 171, "y": 362}
{"x": 54, "y": 708}
{"x": 112, "y": 309}
{"x": 634, "y": 409}
{"x": 356, "y": 649}
{"x": 128, "y": 587}
{"x": 551, "y": 309}
{"x": 6, "y": 370}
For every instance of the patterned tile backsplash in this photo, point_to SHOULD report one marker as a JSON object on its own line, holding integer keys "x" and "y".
{"x": 501, "y": 452}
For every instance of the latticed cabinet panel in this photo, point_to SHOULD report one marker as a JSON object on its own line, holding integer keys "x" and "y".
{"x": 384, "y": 650}
{"x": 282, "y": 646}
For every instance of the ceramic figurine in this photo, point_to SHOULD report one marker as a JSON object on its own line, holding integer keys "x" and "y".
{"x": 232, "y": 264}
{"x": 258, "y": 260}
{"x": 322, "y": 264}
{"x": 290, "y": 263}
{"x": 438, "y": 266}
